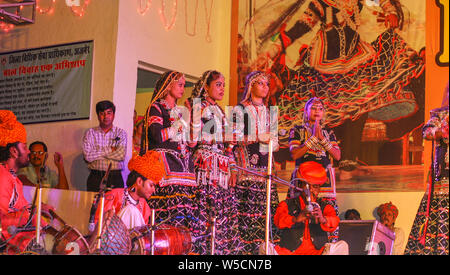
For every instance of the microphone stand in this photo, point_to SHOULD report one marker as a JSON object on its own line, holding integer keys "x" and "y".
{"x": 269, "y": 178}
{"x": 35, "y": 244}
{"x": 101, "y": 194}
{"x": 273, "y": 178}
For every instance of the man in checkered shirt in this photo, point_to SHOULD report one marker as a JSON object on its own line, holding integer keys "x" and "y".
{"x": 103, "y": 145}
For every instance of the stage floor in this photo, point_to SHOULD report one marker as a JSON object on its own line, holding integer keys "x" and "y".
{"x": 391, "y": 178}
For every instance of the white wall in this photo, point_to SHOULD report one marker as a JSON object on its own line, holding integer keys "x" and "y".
{"x": 62, "y": 26}
{"x": 143, "y": 38}
{"x": 122, "y": 38}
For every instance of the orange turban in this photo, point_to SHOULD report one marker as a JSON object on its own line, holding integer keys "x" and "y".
{"x": 312, "y": 172}
{"x": 11, "y": 130}
{"x": 148, "y": 165}
{"x": 387, "y": 207}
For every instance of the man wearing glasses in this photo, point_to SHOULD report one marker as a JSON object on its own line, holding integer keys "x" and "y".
{"x": 38, "y": 170}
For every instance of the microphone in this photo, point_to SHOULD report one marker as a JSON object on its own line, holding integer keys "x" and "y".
{"x": 309, "y": 206}
{"x": 13, "y": 230}
{"x": 91, "y": 225}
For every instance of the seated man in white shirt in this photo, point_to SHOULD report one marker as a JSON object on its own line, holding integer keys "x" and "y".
{"x": 37, "y": 170}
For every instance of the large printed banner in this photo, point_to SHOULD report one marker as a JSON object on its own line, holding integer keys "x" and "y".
{"x": 365, "y": 59}
{"x": 47, "y": 84}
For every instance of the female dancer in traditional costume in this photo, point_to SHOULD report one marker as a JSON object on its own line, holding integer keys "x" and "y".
{"x": 164, "y": 132}
{"x": 312, "y": 141}
{"x": 252, "y": 153}
{"x": 213, "y": 160}
{"x": 429, "y": 233}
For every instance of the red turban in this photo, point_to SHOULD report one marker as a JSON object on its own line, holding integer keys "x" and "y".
{"x": 148, "y": 165}
{"x": 11, "y": 130}
{"x": 312, "y": 172}
{"x": 387, "y": 207}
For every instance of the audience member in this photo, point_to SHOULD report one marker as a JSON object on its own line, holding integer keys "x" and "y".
{"x": 103, "y": 145}
{"x": 388, "y": 214}
{"x": 352, "y": 214}
{"x": 37, "y": 170}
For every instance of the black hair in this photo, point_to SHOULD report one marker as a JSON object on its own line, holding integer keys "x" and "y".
{"x": 5, "y": 153}
{"x": 132, "y": 178}
{"x": 351, "y": 211}
{"x": 105, "y": 105}
{"x": 38, "y": 143}
{"x": 214, "y": 75}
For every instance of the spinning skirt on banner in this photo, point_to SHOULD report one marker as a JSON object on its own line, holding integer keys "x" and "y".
{"x": 216, "y": 199}
{"x": 174, "y": 200}
{"x": 251, "y": 198}
{"x": 378, "y": 86}
{"x": 433, "y": 241}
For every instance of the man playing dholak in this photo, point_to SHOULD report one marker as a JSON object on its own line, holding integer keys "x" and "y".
{"x": 18, "y": 228}
{"x": 305, "y": 220}
{"x": 130, "y": 204}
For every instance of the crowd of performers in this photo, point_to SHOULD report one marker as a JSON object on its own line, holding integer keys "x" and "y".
{"x": 198, "y": 179}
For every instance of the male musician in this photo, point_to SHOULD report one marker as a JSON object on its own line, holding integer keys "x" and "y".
{"x": 130, "y": 204}
{"x": 38, "y": 169}
{"x": 103, "y": 145}
{"x": 304, "y": 221}
{"x": 14, "y": 208}
{"x": 388, "y": 214}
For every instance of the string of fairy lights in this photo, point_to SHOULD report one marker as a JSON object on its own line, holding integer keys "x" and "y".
{"x": 168, "y": 16}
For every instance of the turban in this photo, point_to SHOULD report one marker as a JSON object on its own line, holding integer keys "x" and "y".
{"x": 312, "y": 172}
{"x": 148, "y": 165}
{"x": 11, "y": 130}
{"x": 387, "y": 207}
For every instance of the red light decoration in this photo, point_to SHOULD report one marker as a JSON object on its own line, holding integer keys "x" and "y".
{"x": 168, "y": 26}
{"x": 48, "y": 10}
{"x": 143, "y": 11}
{"x": 5, "y": 27}
{"x": 81, "y": 10}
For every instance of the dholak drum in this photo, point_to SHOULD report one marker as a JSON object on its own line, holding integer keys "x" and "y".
{"x": 68, "y": 241}
{"x": 115, "y": 238}
{"x": 169, "y": 240}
